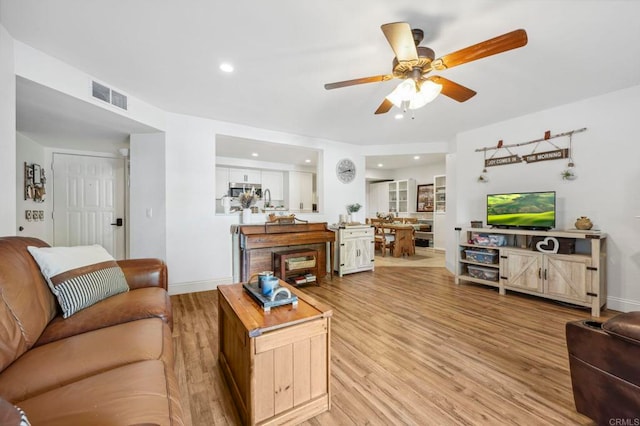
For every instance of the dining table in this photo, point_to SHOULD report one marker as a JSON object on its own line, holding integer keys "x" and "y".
{"x": 403, "y": 238}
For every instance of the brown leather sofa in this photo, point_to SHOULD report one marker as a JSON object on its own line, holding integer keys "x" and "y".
{"x": 605, "y": 371}
{"x": 111, "y": 363}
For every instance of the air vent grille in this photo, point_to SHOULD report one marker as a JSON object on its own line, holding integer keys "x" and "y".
{"x": 118, "y": 99}
{"x": 106, "y": 94}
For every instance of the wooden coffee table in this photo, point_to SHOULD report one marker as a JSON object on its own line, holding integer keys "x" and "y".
{"x": 277, "y": 363}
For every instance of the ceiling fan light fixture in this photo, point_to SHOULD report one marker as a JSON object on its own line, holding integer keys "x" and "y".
{"x": 428, "y": 92}
{"x": 405, "y": 91}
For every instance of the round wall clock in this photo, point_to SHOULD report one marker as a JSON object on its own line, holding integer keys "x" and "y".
{"x": 345, "y": 170}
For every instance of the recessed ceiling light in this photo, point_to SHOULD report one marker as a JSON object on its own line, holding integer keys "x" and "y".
{"x": 307, "y": 161}
{"x": 416, "y": 157}
{"x": 380, "y": 164}
{"x": 226, "y": 67}
{"x": 398, "y": 116}
{"x": 254, "y": 154}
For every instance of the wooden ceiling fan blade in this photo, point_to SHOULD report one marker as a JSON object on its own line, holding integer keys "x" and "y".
{"x": 400, "y": 38}
{"x": 503, "y": 43}
{"x": 452, "y": 89}
{"x": 346, "y": 83}
{"x": 384, "y": 107}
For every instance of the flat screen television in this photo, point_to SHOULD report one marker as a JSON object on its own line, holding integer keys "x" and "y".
{"x": 528, "y": 210}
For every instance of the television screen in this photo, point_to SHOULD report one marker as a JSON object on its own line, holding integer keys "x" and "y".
{"x": 532, "y": 210}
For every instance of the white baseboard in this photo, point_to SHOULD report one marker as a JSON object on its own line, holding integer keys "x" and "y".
{"x": 622, "y": 305}
{"x": 196, "y": 286}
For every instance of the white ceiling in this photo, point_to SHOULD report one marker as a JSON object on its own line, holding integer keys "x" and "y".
{"x": 167, "y": 53}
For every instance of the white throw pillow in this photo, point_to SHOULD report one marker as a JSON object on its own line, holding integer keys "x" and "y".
{"x": 79, "y": 276}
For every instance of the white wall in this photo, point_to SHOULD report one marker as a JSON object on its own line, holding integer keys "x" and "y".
{"x": 31, "y": 152}
{"x": 147, "y": 189}
{"x": 37, "y": 66}
{"x": 606, "y": 158}
{"x": 199, "y": 242}
{"x": 7, "y": 135}
{"x": 423, "y": 175}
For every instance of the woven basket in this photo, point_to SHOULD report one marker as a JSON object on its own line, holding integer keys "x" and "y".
{"x": 300, "y": 263}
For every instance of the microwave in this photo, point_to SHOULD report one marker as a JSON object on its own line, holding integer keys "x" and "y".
{"x": 235, "y": 189}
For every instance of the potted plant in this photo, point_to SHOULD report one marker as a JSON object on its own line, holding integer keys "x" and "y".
{"x": 352, "y": 208}
{"x": 568, "y": 174}
{"x": 247, "y": 199}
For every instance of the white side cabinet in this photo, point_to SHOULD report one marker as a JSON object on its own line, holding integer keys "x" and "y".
{"x": 354, "y": 249}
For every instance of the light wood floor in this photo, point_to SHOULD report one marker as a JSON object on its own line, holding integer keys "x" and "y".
{"x": 409, "y": 347}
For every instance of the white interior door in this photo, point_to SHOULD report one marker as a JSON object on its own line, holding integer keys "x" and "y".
{"x": 88, "y": 200}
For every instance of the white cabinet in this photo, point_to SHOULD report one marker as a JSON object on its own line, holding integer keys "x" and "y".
{"x": 378, "y": 201}
{"x": 440, "y": 208}
{"x": 300, "y": 191}
{"x": 222, "y": 181}
{"x": 440, "y": 193}
{"x": 557, "y": 275}
{"x": 576, "y": 277}
{"x": 244, "y": 176}
{"x": 522, "y": 269}
{"x": 354, "y": 249}
{"x": 402, "y": 196}
{"x": 274, "y": 182}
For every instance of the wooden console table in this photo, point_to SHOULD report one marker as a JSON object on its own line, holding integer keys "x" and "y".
{"x": 254, "y": 245}
{"x": 277, "y": 364}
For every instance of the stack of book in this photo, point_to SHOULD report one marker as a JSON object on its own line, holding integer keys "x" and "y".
{"x": 304, "y": 279}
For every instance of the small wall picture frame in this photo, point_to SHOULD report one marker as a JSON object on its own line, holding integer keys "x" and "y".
{"x": 28, "y": 215}
{"x": 37, "y": 174}
{"x": 41, "y": 214}
{"x": 425, "y": 198}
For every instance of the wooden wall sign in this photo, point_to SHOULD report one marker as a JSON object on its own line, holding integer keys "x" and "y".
{"x": 547, "y": 155}
{"x": 502, "y": 161}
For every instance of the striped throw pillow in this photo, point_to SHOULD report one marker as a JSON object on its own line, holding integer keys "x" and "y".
{"x": 79, "y": 276}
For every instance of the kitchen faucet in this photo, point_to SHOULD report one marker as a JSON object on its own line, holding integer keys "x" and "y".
{"x": 266, "y": 194}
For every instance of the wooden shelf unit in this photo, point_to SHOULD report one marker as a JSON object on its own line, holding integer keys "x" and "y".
{"x": 283, "y": 270}
{"x": 578, "y": 278}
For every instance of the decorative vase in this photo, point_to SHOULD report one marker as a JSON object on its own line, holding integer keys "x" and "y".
{"x": 246, "y": 216}
{"x": 226, "y": 204}
{"x": 584, "y": 223}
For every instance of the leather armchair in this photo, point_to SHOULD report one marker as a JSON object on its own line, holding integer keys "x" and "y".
{"x": 605, "y": 368}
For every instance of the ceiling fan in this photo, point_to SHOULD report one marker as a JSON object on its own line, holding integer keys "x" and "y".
{"x": 413, "y": 62}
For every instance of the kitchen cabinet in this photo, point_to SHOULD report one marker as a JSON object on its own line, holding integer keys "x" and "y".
{"x": 440, "y": 208}
{"x": 402, "y": 196}
{"x": 440, "y": 195}
{"x": 577, "y": 277}
{"x": 378, "y": 198}
{"x": 354, "y": 249}
{"x": 274, "y": 182}
{"x": 222, "y": 181}
{"x": 244, "y": 176}
{"x": 300, "y": 191}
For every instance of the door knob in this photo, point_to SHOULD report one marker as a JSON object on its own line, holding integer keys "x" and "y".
{"x": 118, "y": 222}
